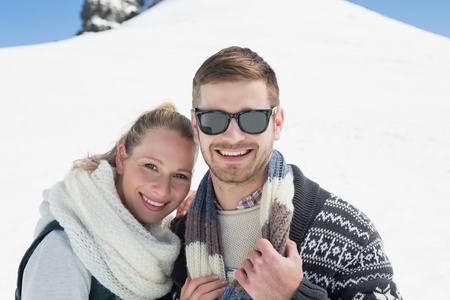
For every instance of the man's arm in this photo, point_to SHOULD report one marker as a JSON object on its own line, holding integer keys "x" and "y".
{"x": 368, "y": 276}
{"x": 344, "y": 253}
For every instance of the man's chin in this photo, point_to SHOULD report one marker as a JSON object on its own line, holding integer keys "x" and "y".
{"x": 231, "y": 176}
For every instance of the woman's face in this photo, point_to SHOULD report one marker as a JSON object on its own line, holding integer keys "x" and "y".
{"x": 156, "y": 177}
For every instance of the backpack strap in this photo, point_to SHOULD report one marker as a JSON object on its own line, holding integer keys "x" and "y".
{"x": 308, "y": 201}
{"x": 54, "y": 225}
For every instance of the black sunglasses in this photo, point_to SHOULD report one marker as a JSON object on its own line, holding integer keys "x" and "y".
{"x": 214, "y": 122}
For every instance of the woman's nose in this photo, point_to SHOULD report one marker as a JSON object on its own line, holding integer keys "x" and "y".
{"x": 162, "y": 186}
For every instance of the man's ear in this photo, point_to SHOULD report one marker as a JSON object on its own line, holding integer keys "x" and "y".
{"x": 279, "y": 122}
{"x": 194, "y": 126}
{"x": 120, "y": 158}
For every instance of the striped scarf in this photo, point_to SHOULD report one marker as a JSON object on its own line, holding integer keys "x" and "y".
{"x": 204, "y": 252}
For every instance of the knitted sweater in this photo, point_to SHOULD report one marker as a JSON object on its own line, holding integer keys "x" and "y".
{"x": 342, "y": 252}
{"x": 236, "y": 245}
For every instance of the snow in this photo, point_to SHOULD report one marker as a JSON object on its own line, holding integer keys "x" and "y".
{"x": 366, "y": 102}
{"x": 102, "y": 22}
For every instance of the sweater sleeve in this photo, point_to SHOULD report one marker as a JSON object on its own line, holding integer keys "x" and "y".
{"x": 344, "y": 254}
{"x": 55, "y": 272}
{"x": 309, "y": 291}
{"x": 370, "y": 277}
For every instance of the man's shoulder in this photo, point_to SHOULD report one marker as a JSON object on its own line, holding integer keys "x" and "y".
{"x": 323, "y": 210}
{"x": 344, "y": 210}
{"x": 339, "y": 218}
{"x": 306, "y": 184}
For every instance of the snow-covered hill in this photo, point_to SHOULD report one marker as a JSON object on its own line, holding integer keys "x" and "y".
{"x": 366, "y": 103}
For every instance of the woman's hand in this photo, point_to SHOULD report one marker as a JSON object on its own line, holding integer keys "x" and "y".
{"x": 184, "y": 206}
{"x": 203, "y": 288}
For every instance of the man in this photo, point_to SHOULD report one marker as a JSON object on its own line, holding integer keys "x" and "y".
{"x": 256, "y": 222}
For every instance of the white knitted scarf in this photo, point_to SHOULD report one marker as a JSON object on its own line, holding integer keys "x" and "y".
{"x": 130, "y": 260}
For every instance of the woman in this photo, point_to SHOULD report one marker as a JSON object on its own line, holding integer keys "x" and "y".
{"x": 114, "y": 243}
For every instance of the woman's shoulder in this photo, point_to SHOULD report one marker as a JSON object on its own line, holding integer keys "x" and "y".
{"x": 57, "y": 238}
{"x": 68, "y": 275}
{"x": 55, "y": 248}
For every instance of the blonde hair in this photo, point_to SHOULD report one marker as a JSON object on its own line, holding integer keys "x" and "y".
{"x": 164, "y": 117}
{"x": 235, "y": 64}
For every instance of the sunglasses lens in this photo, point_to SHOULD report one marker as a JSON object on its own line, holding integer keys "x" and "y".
{"x": 213, "y": 122}
{"x": 253, "y": 122}
{"x": 216, "y": 122}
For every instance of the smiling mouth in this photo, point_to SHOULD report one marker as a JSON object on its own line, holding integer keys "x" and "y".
{"x": 233, "y": 153}
{"x": 152, "y": 202}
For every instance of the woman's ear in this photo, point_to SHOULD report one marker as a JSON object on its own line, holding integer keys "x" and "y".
{"x": 120, "y": 158}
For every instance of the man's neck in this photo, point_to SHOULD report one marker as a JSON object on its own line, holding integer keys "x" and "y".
{"x": 230, "y": 194}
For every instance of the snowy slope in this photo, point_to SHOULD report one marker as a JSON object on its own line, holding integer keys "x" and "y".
{"x": 366, "y": 103}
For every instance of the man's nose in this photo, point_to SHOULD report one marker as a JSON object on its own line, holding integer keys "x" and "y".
{"x": 233, "y": 132}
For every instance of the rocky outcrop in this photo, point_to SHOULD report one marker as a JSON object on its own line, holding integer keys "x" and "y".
{"x": 99, "y": 15}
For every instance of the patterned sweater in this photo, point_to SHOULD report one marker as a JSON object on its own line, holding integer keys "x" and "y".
{"x": 342, "y": 252}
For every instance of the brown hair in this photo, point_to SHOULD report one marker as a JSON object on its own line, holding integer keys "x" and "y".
{"x": 235, "y": 64}
{"x": 163, "y": 117}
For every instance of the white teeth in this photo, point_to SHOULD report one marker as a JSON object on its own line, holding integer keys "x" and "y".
{"x": 226, "y": 153}
{"x": 152, "y": 202}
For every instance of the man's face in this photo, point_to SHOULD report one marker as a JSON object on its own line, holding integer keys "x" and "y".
{"x": 236, "y": 157}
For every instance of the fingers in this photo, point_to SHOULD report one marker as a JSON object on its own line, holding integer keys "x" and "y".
{"x": 254, "y": 260}
{"x": 265, "y": 246}
{"x": 184, "y": 206}
{"x": 292, "y": 251}
{"x": 191, "y": 285}
{"x": 258, "y": 260}
{"x": 266, "y": 274}
{"x": 185, "y": 286}
{"x": 254, "y": 254}
{"x": 241, "y": 277}
{"x": 205, "y": 288}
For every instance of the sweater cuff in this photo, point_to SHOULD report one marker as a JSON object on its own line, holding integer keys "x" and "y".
{"x": 308, "y": 291}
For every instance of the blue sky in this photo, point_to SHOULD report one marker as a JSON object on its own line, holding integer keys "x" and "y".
{"x": 39, "y": 21}
{"x": 30, "y": 22}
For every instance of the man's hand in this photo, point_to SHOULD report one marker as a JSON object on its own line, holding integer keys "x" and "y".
{"x": 268, "y": 275}
{"x": 203, "y": 288}
{"x": 184, "y": 206}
